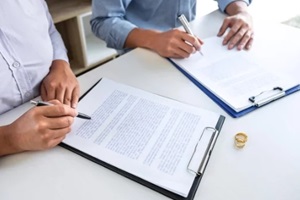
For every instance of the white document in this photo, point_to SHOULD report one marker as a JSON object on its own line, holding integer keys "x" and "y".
{"x": 144, "y": 134}
{"x": 235, "y": 76}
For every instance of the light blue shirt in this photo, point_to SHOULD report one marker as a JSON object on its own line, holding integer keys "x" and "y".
{"x": 29, "y": 43}
{"x": 112, "y": 20}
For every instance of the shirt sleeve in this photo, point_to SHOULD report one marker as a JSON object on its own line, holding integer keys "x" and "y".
{"x": 59, "y": 49}
{"x": 108, "y": 22}
{"x": 224, "y": 3}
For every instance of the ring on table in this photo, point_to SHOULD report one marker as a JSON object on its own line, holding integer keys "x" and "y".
{"x": 240, "y": 139}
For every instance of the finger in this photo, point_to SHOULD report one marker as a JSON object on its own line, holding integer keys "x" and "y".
{"x": 224, "y": 26}
{"x": 60, "y": 94}
{"x": 50, "y": 93}
{"x": 55, "y": 102}
{"x": 174, "y": 55}
{"x": 180, "y": 53}
{"x": 67, "y": 96}
{"x": 200, "y": 41}
{"x": 57, "y": 111}
{"x": 54, "y": 134}
{"x": 237, "y": 38}
{"x": 52, "y": 137}
{"x": 236, "y": 27}
{"x": 244, "y": 40}
{"x": 181, "y": 48}
{"x": 54, "y": 142}
{"x": 75, "y": 96}
{"x": 249, "y": 43}
{"x": 193, "y": 41}
{"x": 54, "y": 123}
{"x": 43, "y": 93}
{"x": 185, "y": 50}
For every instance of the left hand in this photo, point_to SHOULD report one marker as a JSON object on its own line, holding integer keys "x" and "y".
{"x": 241, "y": 31}
{"x": 61, "y": 84}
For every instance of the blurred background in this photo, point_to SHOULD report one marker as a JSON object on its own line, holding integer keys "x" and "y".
{"x": 287, "y": 11}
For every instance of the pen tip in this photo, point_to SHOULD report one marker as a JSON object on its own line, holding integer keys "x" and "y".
{"x": 34, "y": 102}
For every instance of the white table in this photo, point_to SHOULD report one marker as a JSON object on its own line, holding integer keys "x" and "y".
{"x": 268, "y": 168}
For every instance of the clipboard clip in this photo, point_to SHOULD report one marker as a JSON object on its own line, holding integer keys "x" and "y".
{"x": 260, "y": 99}
{"x": 208, "y": 150}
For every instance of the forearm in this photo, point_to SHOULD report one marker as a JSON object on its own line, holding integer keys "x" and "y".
{"x": 8, "y": 143}
{"x": 113, "y": 31}
{"x": 141, "y": 38}
{"x": 236, "y": 7}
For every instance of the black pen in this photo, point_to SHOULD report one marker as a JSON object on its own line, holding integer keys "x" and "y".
{"x": 43, "y": 103}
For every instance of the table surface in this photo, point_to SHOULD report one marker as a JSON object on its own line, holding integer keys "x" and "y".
{"x": 267, "y": 168}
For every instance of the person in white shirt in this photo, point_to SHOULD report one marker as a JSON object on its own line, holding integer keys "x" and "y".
{"x": 33, "y": 61}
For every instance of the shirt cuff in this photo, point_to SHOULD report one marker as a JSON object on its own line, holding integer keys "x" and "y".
{"x": 224, "y": 3}
{"x": 60, "y": 55}
{"x": 119, "y": 34}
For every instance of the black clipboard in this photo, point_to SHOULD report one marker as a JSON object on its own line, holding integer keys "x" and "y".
{"x": 148, "y": 184}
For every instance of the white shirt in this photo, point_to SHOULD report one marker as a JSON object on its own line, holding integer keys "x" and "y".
{"x": 29, "y": 43}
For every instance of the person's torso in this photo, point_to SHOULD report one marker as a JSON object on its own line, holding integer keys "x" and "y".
{"x": 159, "y": 14}
{"x": 25, "y": 50}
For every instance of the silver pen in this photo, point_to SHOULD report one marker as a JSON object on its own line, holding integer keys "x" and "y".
{"x": 43, "y": 103}
{"x": 186, "y": 27}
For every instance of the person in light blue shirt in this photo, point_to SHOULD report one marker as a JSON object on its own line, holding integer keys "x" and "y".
{"x": 33, "y": 61}
{"x": 150, "y": 24}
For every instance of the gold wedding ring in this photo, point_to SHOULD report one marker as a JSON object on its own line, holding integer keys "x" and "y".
{"x": 240, "y": 139}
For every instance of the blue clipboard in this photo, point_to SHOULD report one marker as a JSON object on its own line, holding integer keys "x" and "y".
{"x": 227, "y": 108}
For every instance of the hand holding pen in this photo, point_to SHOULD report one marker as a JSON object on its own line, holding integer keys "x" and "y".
{"x": 187, "y": 28}
{"x": 173, "y": 43}
{"x": 40, "y": 127}
{"x": 43, "y": 103}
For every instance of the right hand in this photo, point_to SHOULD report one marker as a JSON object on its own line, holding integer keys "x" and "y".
{"x": 174, "y": 44}
{"x": 42, "y": 127}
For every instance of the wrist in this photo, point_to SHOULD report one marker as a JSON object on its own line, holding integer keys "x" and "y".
{"x": 237, "y": 7}
{"x": 59, "y": 64}
{"x": 60, "y": 67}
{"x": 9, "y": 141}
{"x": 142, "y": 38}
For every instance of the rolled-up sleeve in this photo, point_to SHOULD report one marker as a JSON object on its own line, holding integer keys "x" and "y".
{"x": 108, "y": 22}
{"x": 224, "y": 3}
{"x": 59, "y": 49}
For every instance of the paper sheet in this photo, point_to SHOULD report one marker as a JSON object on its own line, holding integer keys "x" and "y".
{"x": 142, "y": 133}
{"x": 233, "y": 76}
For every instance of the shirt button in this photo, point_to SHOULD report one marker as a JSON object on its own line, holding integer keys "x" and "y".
{"x": 16, "y": 64}
{"x": 27, "y": 94}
